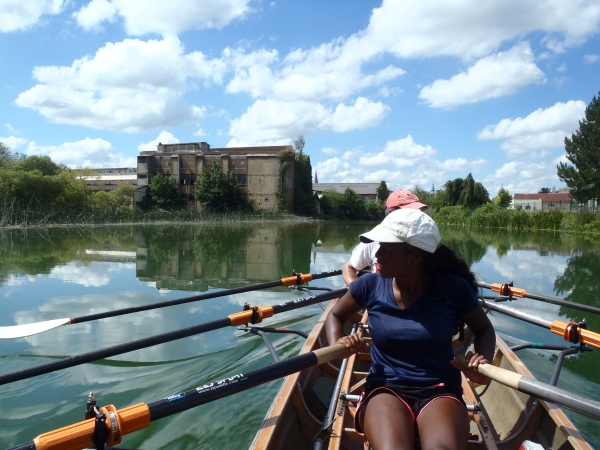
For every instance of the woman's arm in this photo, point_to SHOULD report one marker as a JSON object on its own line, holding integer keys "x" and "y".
{"x": 343, "y": 310}
{"x": 485, "y": 343}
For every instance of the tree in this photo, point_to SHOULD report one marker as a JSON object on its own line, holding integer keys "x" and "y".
{"x": 583, "y": 152}
{"x": 304, "y": 203}
{"x": 382, "y": 192}
{"x": 352, "y": 206}
{"x": 42, "y": 163}
{"x": 162, "y": 193}
{"x": 503, "y": 198}
{"x": 467, "y": 192}
{"x": 544, "y": 190}
{"x": 218, "y": 191}
{"x": 473, "y": 193}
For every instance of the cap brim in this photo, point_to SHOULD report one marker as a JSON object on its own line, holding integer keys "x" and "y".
{"x": 379, "y": 234}
{"x": 414, "y": 205}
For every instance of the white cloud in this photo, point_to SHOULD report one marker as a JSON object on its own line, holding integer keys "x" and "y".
{"x": 164, "y": 138}
{"x": 402, "y": 163}
{"x": 166, "y": 18}
{"x": 561, "y": 68}
{"x": 21, "y": 14}
{"x": 129, "y": 86}
{"x": 471, "y": 29}
{"x": 84, "y": 153}
{"x": 542, "y": 129}
{"x": 524, "y": 177}
{"x": 271, "y": 121}
{"x": 13, "y": 142}
{"x": 493, "y": 76}
{"x": 591, "y": 59}
{"x": 90, "y": 16}
{"x": 330, "y": 151}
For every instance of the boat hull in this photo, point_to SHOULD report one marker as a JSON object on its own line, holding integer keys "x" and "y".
{"x": 502, "y": 418}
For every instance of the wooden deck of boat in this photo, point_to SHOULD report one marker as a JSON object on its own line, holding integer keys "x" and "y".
{"x": 503, "y": 420}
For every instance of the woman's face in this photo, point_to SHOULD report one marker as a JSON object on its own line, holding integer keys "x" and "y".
{"x": 394, "y": 259}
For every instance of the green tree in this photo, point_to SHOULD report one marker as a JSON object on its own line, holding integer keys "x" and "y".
{"x": 544, "y": 190}
{"x": 304, "y": 203}
{"x": 218, "y": 191}
{"x": 5, "y": 154}
{"x": 582, "y": 176}
{"x": 503, "y": 198}
{"x": 374, "y": 210}
{"x": 382, "y": 192}
{"x": 330, "y": 202}
{"x": 42, "y": 163}
{"x": 473, "y": 193}
{"x": 162, "y": 193}
{"x": 352, "y": 206}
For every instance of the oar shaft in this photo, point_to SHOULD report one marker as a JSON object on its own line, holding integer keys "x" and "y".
{"x": 544, "y": 298}
{"x": 232, "y": 320}
{"x": 139, "y": 416}
{"x": 571, "y": 332}
{"x": 288, "y": 281}
{"x": 543, "y": 391}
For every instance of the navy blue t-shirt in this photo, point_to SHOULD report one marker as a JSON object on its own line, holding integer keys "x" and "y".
{"x": 413, "y": 346}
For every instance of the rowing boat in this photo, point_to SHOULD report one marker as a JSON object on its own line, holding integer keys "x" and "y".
{"x": 315, "y": 408}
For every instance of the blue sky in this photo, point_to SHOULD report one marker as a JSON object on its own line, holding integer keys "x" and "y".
{"x": 410, "y": 92}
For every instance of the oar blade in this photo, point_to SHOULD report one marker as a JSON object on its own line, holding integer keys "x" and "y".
{"x": 29, "y": 329}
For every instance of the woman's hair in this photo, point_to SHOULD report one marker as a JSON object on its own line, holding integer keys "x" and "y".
{"x": 444, "y": 260}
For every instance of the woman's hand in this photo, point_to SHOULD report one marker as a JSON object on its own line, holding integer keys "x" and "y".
{"x": 473, "y": 360}
{"x": 352, "y": 343}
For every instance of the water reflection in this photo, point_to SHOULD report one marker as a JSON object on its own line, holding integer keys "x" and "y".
{"x": 72, "y": 272}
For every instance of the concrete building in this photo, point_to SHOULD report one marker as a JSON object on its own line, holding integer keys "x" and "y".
{"x": 265, "y": 174}
{"x": 109, "y": 179}
{"x": 543, "y": 202}
{"x": 367, "y": 191}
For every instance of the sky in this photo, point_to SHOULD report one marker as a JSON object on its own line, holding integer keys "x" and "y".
{"x": 410, "y": 92}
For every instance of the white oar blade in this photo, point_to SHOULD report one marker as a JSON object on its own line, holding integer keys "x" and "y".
{"x": 29, "y": 329}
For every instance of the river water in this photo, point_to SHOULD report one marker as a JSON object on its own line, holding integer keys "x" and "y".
{"x": 50, "y": 274}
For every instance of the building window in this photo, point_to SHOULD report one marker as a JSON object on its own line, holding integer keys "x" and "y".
{"x": 551, "y": 205}
{"x": 266, "y": 199}
{"x": 527, "y": 207}
{"x": 168, "y": 164}
{"x": 241, "y": 179}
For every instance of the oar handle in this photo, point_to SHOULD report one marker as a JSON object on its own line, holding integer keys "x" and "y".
{"x": 538, "y": 389}
{"x": 137, "y": 417}
{"x": 507, "y": 290}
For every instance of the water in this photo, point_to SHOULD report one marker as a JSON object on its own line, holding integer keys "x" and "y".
{"x": 74, "y": 272}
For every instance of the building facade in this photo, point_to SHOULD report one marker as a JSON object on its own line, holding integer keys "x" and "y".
{"x": 543, "y": 202}
{"x": 265, "y": 174}
{"x": 110, "y": 178}
{"x": 367, "y": 191}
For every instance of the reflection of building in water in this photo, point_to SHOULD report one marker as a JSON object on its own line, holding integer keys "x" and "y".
{"x": 111, "y": 256}
{"x": 196, "y": 261}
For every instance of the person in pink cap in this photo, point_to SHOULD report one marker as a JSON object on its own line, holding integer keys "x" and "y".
{"x": 363, "y": 255}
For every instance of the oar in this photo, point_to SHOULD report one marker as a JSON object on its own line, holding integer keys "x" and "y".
{"x": 571, "y": 331}
{"x": 29, "y": 329}
{"x": 234, "y": 320}
{"x": 118, "y": 423}
{"x": 507, "y": 290}
{"x": 538, "y": 389}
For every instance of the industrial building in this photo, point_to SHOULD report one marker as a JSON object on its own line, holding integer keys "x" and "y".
{"x": 265, "y": 174}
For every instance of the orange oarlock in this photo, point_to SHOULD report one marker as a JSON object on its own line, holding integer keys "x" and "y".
{"x": 79, "y": 435}
{"x": 508, "y": 290}
{"x": 572, "y": 332}
{"x": 245, "y": 317}
{"x": 297, "y": 279}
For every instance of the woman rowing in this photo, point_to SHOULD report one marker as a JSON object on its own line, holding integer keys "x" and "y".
{"x": 422, "y": 289}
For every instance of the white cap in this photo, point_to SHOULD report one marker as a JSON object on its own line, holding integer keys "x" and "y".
{"x": 406, "y": 225}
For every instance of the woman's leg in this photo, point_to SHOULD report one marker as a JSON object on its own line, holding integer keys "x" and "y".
{"x": 443, "y": 424}
{"x": 387, "y": 422}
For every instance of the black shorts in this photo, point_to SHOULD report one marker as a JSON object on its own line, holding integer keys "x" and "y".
{"x": 416, "y": 399}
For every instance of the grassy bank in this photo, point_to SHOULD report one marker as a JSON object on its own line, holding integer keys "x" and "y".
{"x": 22, "y": 216}
{"x": 494, "y": 216}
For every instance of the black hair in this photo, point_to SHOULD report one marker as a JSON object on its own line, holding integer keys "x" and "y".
{"x": 445, "y": 260}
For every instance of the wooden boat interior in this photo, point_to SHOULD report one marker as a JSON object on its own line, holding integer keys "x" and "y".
{"x": 501, "y": 417}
